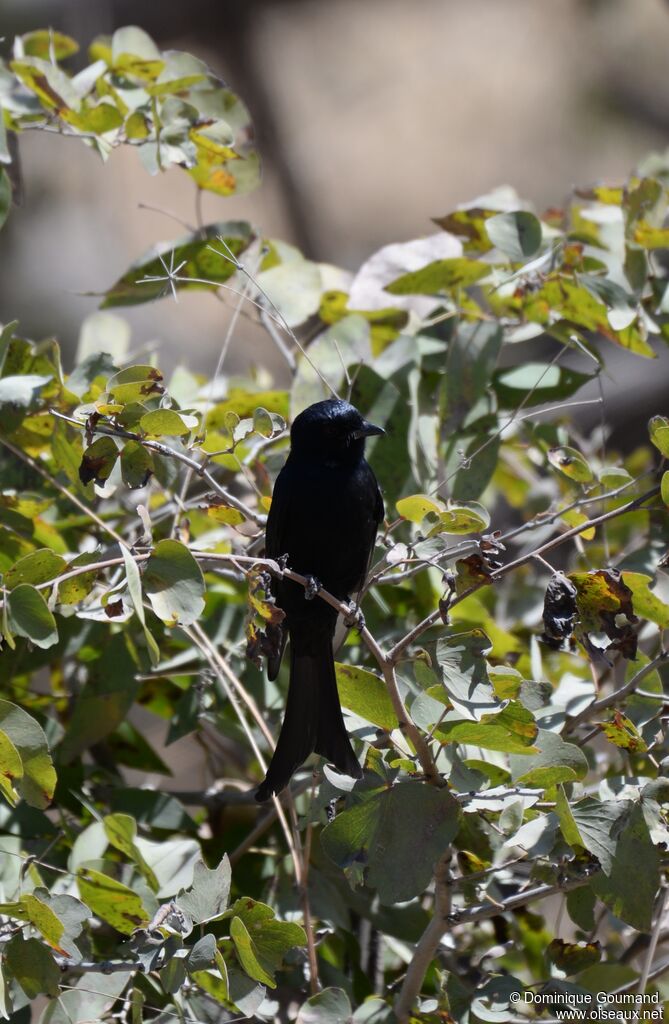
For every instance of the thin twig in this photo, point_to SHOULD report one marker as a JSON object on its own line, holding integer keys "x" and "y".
{"x": 162, "y": 449}
{"x": 430, "y": 620}
{"x": 652, "y": 945}
{"x": 618, "y": 695}
{"x": 72, "y": 498}
{"x": 428, "y": 943}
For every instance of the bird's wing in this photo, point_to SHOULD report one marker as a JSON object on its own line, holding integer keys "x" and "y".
{"x": 275, "y": 530}
{"x": 277, "y": 518}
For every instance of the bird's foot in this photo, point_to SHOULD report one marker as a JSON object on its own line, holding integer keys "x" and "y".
{"x": 312, "y": 588}
{"x": 355, "y": 618}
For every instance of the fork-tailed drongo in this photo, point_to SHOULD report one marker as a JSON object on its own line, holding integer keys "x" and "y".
{"x": 325, "y": 511}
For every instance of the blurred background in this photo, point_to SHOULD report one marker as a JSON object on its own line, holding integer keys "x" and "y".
{"x": 370, "y": 118}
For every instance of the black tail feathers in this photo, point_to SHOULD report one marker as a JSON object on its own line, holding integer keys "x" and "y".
{"x": 313, "y": 721}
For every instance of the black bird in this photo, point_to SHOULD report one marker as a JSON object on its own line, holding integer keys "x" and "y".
{"x": 325, "y": 511}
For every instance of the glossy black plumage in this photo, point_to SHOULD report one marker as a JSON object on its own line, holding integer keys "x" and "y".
{"x": 325, "y": 512}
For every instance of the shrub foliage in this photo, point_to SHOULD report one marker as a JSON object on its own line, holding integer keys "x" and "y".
{"x": 505, "y": 695}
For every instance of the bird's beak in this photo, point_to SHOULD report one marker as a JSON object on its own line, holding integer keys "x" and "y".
{"x": 367, "y": 430}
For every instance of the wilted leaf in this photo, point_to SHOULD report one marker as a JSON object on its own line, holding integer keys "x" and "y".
{"x": 604, "y": 603}
{"x": 559, "y": 610}
{"x": 572, "y": 957}
{"x": 623, "y": 733}
{"x": 98, "y": 461}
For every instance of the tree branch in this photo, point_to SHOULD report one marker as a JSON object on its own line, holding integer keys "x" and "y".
{"x": 430, "y": 620}
{"x": 196, "y": 467}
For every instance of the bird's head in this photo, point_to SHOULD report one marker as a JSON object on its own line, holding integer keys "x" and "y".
{"x": 331, "y": 431}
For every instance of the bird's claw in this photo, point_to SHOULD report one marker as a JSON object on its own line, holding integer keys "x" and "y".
{"x": 355, "y": 618}
{"x": 312, "y": 588}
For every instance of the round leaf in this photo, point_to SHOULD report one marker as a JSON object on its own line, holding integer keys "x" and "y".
{"x": 174, "y": 583}
{"x": 517, "y": 234}
{"x": 30, "y": 617}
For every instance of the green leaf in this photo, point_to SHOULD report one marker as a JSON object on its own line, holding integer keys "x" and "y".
{"x": 37, "y": 567}
{"x": 330, "y": 1006}
{"x": 134, "y": 583}
{"x": 33, "y": 967}
{"x": 164, "y": 423}
{"x": 536, "y": 383}
{"x": 136, "y": 464}
{"x": 11, "y": 768}
{"x": 121, "y": 831}
{"x": 45, "y": 42}
{"x": 5, "y": 195}
{"x": 464, "y": 673}
{"x": 105, "y": 700}
{"x": 365, "y": 694}
{"x": 260, "y": 940}
{"x": 459, "y": 518}
{"x": 570, "y": 462}
{"x": 112, "y": 901}
{"x": 201, "y": 265}
{"x": 517, "y": 234}
{"x": 472, "y": 357}
{"x": 664, "y": 488}
{"x": 207, "y": 896}
{"x": 92, "y": 997}
{"x": 439, "y": 276}
{"x": 658, "y": 429}
{"x": 30, "y": 617}
{"x": 416, "y": 507}
{"x": 630, "y": 883}
{"x": 38, "y": 781}
{"x": 133, "y": 50}
{"x": 97, "y": 118}
{"x": 397, "y": 834}
{"x": 174, "y": 583}
{"x": 58, "y": 918}
{"x": 246, "y": 953}
{"x": 512, "y": 730}
{"x": 135, "y": 383}
{"x": 556, "y": 762}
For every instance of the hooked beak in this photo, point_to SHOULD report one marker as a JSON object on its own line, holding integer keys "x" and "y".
{"x": 367, "y": 430}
